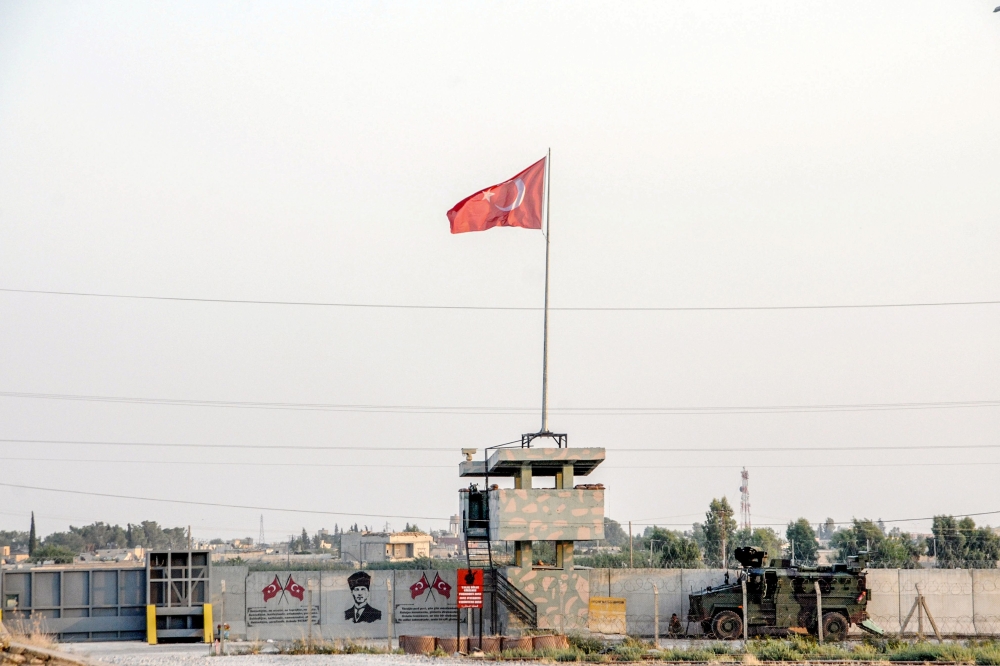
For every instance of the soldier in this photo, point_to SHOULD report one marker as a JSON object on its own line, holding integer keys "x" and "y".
{"x": 674, "y": 629}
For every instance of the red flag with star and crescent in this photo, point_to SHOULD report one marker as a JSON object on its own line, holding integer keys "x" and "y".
{"x": 272, "y": 590}
{"x": 443, "y": 588}
{"x": 419, "y": 587}
{"x": 294, "y": 589}
{"x": 513, "y": 203}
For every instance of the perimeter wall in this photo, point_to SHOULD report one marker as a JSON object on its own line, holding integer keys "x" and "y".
{"x": 964, "y": 602}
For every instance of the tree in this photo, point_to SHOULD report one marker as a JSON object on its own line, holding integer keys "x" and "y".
{"x": 16, "y": 540}
{"x": 149, "y": 534}
{"x": 676, "y": 550}
{"x": 614, "y": 535}
{"x": 802, "y": 538}
{"x": 960, "y": 544}
{"x": 764, "y": 538}
{"x": 719, "y": 526}
{"x": 57, "y": 554}
{"x": 413, "y": 528}
{"x": 897, "y": 550}
{"x": 826, "y": 530}
{"x": 32, "y": 538}
{"x": 67, "y": 540}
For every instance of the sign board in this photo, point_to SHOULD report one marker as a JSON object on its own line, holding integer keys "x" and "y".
{"x": 470, "y": 588}
{"x": 607, "y": 615}
{"x": 425, "y": 596}
{"x": 279, "y": 598}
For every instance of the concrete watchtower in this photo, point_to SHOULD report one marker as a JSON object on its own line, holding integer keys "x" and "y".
{"x": 563, "y": 512}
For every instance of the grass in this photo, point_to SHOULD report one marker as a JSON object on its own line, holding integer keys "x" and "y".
{"x": 589, "y": 649}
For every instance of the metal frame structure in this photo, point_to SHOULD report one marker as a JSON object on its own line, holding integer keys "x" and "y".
{"x": 177, "y": 586}
{"x": 561, "y": 439}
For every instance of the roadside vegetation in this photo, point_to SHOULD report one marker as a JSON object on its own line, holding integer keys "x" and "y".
{"x": 795, "y": 649}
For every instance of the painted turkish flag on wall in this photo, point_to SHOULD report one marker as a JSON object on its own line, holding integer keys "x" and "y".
{"x": 513, "y": 203}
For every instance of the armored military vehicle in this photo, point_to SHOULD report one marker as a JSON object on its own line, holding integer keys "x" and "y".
{"x": 781, "y": 599}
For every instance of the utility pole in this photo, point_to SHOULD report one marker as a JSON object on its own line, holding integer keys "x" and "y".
{"x": 745, "y": 499}
{"x": 631, "y": 562}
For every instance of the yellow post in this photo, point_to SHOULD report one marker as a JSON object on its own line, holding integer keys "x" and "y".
{"x": 151, "y": 625}
{"x": 209, "y": 625}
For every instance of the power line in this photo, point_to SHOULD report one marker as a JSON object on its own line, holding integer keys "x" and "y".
{"x": 699, "y": 449}
{"x": 375, "y": 515}
{"x": 297, "y": 447}
{"x": 215, "y": 504}
{"x": 199, "y": 463}
{"x": 842, "y": 522}
{"x": 481, "y": 410}
{"x": 397, "y": 306}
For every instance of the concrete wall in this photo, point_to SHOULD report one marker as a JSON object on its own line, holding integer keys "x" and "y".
{"x": 562, "y": 597}
{"x": 420, "y": 602}
{"x": 546, "y": 514}
{"x": 963, "y": 602}
{"x": 636, "y": 587}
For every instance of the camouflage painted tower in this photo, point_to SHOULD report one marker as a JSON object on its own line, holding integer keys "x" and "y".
{"x": 545, "y": 504}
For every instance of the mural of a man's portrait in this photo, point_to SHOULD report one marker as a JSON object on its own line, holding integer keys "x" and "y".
{"x": 360, "y": 584}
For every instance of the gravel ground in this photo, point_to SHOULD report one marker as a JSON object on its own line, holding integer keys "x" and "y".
{"x": 140, "y": 654}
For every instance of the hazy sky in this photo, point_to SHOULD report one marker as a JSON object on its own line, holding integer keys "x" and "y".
{"x": 704, "y": 154}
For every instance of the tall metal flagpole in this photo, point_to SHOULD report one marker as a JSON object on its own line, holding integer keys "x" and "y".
{"x": 545, "y": 324}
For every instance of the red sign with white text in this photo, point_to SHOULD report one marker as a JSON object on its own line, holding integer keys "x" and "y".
{"x": 470, "y": 588}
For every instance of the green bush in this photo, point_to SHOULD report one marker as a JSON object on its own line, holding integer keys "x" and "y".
{"x": 987, "y": 656}
{"x": 595, "y": 657}
{"x": 629, "y": 652}
{"x": 950, "y": 652}
{"x": 587, "y": 644}
{"x": 689, "y": 655}
{"x": 567, "y": 655}
{"x": 720, "y": 648}
{"x": 774, "y": 650}
{"x": 516, "y": 654}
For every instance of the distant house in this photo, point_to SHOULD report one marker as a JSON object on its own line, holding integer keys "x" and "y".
{"x": 361, "y": 547}
{"x": 137, "y": 554}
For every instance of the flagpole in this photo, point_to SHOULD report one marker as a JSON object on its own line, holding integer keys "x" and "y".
{"x": 545, "y": 321}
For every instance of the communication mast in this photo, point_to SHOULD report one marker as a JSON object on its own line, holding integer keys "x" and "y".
{"x": 745, "y": 499}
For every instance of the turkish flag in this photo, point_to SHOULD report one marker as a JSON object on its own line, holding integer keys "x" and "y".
{"x": 442, "y": 587}
{"x": 513, "y": 203}
{"x": 419, "y": 587}
{"x": 272, "y": 590}
{"x": 294, "y": 589}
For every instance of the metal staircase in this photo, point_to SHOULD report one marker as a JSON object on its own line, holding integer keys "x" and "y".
{"x": 516, "y": 601}
{"x": 479, "y": 554}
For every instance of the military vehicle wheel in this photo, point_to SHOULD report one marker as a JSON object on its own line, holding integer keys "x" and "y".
{"x": 834, "y": 627}
{"x": 727, "y": 625}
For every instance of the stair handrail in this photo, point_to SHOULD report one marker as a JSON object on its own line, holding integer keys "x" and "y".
{"x": 516, "y": 601}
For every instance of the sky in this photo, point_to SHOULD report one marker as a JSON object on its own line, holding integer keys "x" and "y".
{"x": 704, "y": 155}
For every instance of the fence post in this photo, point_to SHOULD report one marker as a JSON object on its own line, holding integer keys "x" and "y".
{"x": 392, "y": 607}
{"x": 819, "y": 612}
{"x": 746, "y": 614}
{"x": 656, "y": 616}
{"x": 920, "y": 612}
